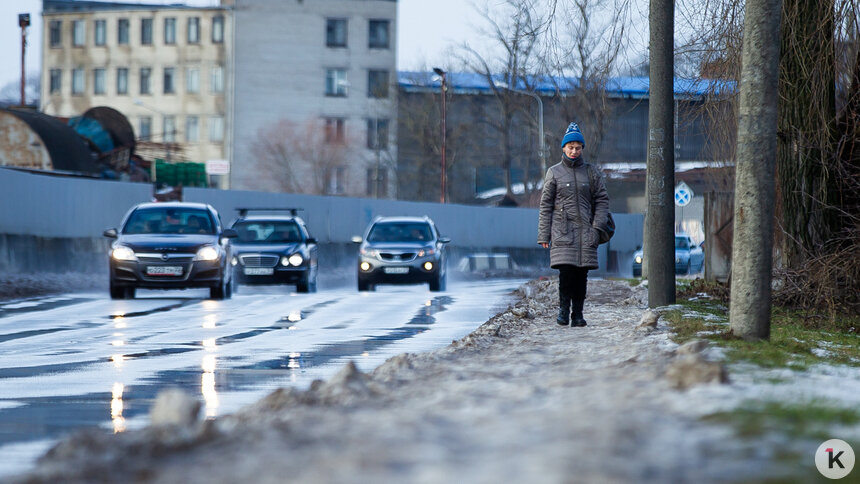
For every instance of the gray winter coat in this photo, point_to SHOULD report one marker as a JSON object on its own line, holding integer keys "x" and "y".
{"x": 566, "y": 207}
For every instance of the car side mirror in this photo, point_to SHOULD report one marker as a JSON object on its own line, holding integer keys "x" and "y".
{"x": 356, "y": 239}
{"x": 445, "y": 240}
{"x": 311, "y": 240}
{"x": 229, "y": 234}
{"x": 110, "y": 233}
{"x": 638, "y": 247}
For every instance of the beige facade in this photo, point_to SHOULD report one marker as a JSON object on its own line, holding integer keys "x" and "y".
{"x": 164, "y": 67}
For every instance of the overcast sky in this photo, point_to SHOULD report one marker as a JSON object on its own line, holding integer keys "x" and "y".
{"x": 426, "y": 29}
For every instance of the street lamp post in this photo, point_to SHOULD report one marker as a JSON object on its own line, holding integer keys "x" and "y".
{"x": 23, "y": 22}
{"x": 444, "y": 88}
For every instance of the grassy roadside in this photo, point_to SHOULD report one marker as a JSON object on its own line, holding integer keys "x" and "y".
{"x": 799, "y": 340}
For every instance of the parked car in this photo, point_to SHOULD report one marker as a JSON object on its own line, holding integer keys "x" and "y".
{"x": 171, "y": 245}
{"x": 402, "y": 250}
{"x": 274, "y": 249}
{"x": 689, "y": 257}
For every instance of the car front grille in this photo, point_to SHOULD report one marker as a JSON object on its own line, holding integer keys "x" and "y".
{"x": 397, "y": 257}
{"x": 259, "y": 260}
{"x": 170, "y": 258}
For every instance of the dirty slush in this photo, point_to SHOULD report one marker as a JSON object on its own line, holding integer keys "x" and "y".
{"x": 520, "y": 399}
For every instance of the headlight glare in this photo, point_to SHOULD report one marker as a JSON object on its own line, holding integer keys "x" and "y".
{"x": 123, "y": 253}
{"x": 428, "y": 266}
{"x": 207, "y": 253}
{"x": 638, "y": 259}
{"x": 296, "y": 260}
{"x": 423, "y": 252}
{"x": 234, "y": 261}
{"x": 285, "y": 261}
{"x": 365, "y": 266}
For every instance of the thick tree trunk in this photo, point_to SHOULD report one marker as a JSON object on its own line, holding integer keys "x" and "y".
{"x": 807, "y": 112}
{"x": 660, "y": 217}
{"x": 752, "y": 247}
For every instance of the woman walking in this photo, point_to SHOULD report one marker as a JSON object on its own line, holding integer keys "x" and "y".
{"x": 573, "y": 206}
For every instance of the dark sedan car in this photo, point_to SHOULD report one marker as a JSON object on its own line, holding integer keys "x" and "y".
{"x": 402, "y": 250}
{"x": 170, "y": 246}
{"x": 274, "y": 249}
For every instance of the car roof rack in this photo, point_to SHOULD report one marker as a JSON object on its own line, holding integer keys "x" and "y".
{"x": 244, "y": 210}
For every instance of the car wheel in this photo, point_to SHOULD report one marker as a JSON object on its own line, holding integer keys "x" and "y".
{"x": 218, "y": 292}
{"x": 438, "y": 284}
{"x": 304, "y": 283}
{"x": 117, "y": 292}
{"x": 365, "y": 286}
{"x": 229, "y": 292}
{"x": 130, "y": 292}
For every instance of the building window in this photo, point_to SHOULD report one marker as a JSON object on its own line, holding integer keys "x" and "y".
{"x": 122, "y": 80}
{"x": 122, "y": 31}
{"x": 335, "y": 130}
{"x": 192, "y": 129}
{"x": 217, "y": 29}
{"x": 378, "y": 35}
{"x": 377, "y": 83}
{"x": 169, "y": 80}
{"x": 146, "y": 31}
{"x": 193, "y": 30}
{"x": 56, "y": 32}
{"x": 170, "y": 30}
{"x": 168, "y": 133}
{"x": 377, "y": 134}
{"x": 100, "y": 32}
{"x": 78, "y": 81}
{"x": 335, "y": 32}
{"x": 337, "y": 185}
{"x": 145, "y": 125}
{"x": 377, "y": 182}
{"x": 145, "y": 80}
{"x": 192, "y": 80}
{"x": 216, "y": 128}
{"x": 98, "y": 81}
{"x": 335, "y": 82}
{"x": 56, "y": 81}
{"x": 79, "y": 33}
{"x": 216, "y": 81}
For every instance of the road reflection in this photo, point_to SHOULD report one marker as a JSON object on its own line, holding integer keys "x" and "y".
{"x": 116, "y": 407}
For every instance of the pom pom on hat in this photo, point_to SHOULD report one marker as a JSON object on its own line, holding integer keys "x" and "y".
{"x": 573, "y": 134}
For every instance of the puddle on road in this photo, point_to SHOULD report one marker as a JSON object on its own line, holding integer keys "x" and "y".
{"x": 34, "y": 305}
{"x": 159, "y": 309}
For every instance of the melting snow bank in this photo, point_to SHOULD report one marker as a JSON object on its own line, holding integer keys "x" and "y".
{"x": 520, "y": 399}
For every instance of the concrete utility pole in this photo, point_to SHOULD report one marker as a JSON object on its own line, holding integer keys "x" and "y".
{"x": 23, "y": 22}
{"x": 752, "y": 246}
{"x": 660, "y": 217}
{"x": 443, "y": 89}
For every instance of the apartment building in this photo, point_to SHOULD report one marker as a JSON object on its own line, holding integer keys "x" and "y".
{"x": 322, "y": 72}
{"x": 164, "y": 66}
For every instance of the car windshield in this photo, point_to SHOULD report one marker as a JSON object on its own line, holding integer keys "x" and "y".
{"x": 169, "y": 220}
{"x": 682, "y": 243}
{"x": 267, "y": 232}
{"x": 400, "y": 232}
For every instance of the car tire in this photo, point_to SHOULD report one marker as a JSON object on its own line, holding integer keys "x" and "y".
{"x": 439, "y": 284}
{"x": 130, "y": 292}
{"x": 689, "y": 268}
{"x": 117, "y": 292}
{"x": 365, "y": 286}
{"x": 219, "y": 291}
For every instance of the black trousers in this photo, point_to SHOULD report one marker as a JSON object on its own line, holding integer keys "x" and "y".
{"x": 572, "y": 282}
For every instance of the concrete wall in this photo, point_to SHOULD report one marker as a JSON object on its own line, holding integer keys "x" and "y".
{"x": 55, "y": 223}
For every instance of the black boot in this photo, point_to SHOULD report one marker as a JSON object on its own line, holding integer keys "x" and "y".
{"x": 578, "y": 320}
{"x": 563, "y": 311}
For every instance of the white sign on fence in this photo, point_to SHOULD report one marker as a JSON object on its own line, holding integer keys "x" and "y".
{"x": 217, "y": 167}
{"x": 683, "y": 194}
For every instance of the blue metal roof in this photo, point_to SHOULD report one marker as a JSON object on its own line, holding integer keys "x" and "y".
{"x": 633, "y": 87}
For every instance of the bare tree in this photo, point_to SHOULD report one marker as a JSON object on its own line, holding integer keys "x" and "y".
{"x": 303, "y": 158}
{"x": 752, "y": 247}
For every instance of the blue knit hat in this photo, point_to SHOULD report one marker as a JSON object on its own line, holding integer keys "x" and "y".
{"x": 573, "y": 134}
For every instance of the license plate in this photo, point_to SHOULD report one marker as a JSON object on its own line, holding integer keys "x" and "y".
{"x": 164, "y": 270}
{"x": 395, "y": 270}
{"x": 259, "y": 271}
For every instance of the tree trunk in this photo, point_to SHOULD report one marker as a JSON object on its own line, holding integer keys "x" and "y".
{"x": 807, "y": 112}
{"x": 752, "y": 246}
{"x": 660, "y": 217}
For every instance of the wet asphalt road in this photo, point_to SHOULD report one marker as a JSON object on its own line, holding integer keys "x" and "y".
{"x": 84, "y": 360}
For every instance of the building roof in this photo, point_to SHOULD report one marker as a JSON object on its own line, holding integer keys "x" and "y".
{"x": 627, "y": 87}
{"x": 69, "y": 6}
{"x": 68, "y": 151}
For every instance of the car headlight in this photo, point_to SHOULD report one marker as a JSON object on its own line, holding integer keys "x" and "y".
{"x": 637, "y": 259}
{"x": 207, "y": 253}
{"x": 365, "y": 266}
{"x": 234, "y": 261}
{"x": 370, "y": 253}
{"x": 296, "y": 260}
{"x": 423, "y": 252}
{"x": 122, "y": 252}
